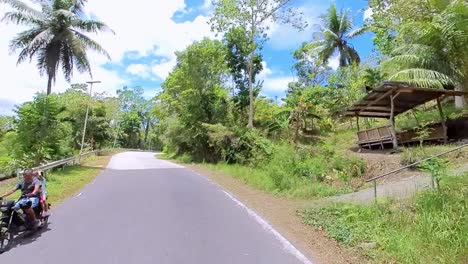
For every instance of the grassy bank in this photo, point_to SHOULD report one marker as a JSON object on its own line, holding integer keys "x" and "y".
{"x": 301, "y": 171}
{"x": 64, "y": 183}
{"x": 431, "y": 228}
{"x": 264, "y": 179}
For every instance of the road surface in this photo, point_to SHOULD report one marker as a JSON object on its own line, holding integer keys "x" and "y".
{"x": 145, "y": 210}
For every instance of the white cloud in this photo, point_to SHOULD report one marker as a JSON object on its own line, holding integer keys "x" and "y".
{"x": 287, "y": 37}
{"x": 273, "y": 85}
{"x": 334, "y": 62}
{"x": 276, "y": 85}
{"x": 368, "y": 14}
{"x": 207, "y": 5}
{"x": 139, "y": 70}
{"x": 163, "y": 69}
{"x": 142, "y": 28}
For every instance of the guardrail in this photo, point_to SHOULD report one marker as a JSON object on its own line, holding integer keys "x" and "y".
{"x": 374, "y": 179}
{"x": 59, "y": 163}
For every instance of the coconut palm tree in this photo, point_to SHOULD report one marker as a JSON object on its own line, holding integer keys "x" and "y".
{"x": 55, "y": 36}
{"x": 334, "y": 36}
{"x": 433, "y": 52}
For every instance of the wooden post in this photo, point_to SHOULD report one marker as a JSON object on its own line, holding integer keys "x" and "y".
{"x": 443, "y": 120}
{"x": 375, "y": 191}
{"x": 357, "y": 123}
{"x": 392, "y": 122}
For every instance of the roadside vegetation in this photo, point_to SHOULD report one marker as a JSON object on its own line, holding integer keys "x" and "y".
{"x": 213, "y": 109}
{"x": 430, "y": 228}
{"x": 66, "y": 182}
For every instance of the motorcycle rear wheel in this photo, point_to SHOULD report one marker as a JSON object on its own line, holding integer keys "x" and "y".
{"x": 6, "y": 239}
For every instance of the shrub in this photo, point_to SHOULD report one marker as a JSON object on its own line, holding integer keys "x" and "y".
{"x": 241, "y": 146}
{"x": 7, "y": 166}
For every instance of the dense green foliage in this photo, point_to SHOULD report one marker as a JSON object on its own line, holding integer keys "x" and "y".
{"x": 50, "y": 127}
{"x": 425, "y": 41}
{"x": 431, "y": 228}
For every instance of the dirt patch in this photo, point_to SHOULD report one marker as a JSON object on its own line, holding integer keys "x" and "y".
{"x": 281, "y": 213}
{"x": 381, "y": 162}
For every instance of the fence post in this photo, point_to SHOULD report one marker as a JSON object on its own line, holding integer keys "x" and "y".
{"x": 375, "y": 191}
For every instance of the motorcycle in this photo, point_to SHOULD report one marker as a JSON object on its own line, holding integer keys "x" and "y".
{"x": 14, "y": 223}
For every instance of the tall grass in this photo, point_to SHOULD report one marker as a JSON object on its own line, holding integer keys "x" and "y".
{"x": 431, "y": 228}
{"x": 300, "y": 172}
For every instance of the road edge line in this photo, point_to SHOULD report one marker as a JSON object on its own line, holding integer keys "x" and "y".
{"x": 288, "y": 246}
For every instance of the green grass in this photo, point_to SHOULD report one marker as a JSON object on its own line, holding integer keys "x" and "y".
{"x": 413, "y": 154}
{"x": 301, "y": 171}
{"x": 431, "y": 228}
{"x": 265, "y": 179}
{"x": 64, "y": 183}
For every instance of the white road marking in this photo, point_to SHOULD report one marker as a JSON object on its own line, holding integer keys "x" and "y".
{"x": 79, "y": 194}
{"x": 286, "y": 244}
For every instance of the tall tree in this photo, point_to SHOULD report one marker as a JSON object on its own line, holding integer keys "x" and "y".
{"x": 254, "y": 16}
{"x": 56, "y": 36}
{"x": 238, "y": 45}
{"x": 194, "y": 95}
{"x": 334, "y": 36}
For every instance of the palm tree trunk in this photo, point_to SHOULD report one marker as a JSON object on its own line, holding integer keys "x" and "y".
{"x": 49, "y": 85}
{"x": 251, "y": 96}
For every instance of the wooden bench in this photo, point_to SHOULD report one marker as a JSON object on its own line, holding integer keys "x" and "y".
{"x": 375, "y": 137}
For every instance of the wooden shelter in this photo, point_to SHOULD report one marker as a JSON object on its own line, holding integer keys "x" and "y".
{"x": 391, "y": 99}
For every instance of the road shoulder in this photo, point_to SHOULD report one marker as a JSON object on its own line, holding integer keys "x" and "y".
{"x": 281, "y": 213}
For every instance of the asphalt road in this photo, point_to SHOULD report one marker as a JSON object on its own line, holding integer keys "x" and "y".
{"x": 144, "y": 210}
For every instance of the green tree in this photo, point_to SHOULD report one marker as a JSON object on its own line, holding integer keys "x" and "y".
{"x": 132, "y": 100}
{"x": 194, "y": 95}
{"x": 42, "y": 137}
{"x": 255, "y": 17}
{"x": 334, "y": 38}
{"x": 55, "y": 36}
{"x": 6, "y": 125}
{"x": 431, "y": 48}
{"x": 237, "y": 43}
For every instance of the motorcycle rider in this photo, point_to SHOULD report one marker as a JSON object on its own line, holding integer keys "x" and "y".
{"x": 30, "y": 192}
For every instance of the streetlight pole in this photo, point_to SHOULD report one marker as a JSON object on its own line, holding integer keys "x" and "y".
{"x": 86, "y": 117}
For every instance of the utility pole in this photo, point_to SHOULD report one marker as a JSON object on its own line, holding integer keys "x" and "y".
{"x": 86, "y": 117}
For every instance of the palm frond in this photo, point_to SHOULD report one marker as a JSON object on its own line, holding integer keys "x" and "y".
{"x": 89, "y": 43}
{"x": 423, "y": 78}
{"x": 77, "y": 49}
{"x": 331, "y": 19}
{"x": 78, "y": 6}
{"x": 21, "y": 19}
{"x": 91, "y": 26}
{"x": 23, "y": 8}
{"x": 357, "y": 32}
{"x": 345, "y": 23}
{"x": 328, "y": 33}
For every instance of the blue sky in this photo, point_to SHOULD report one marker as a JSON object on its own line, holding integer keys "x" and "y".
{"x": 148, "y": 32}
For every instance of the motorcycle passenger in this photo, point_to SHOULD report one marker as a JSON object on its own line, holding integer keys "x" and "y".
{"x": 43, "y": 199}
{"x": 30, "y": 192}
